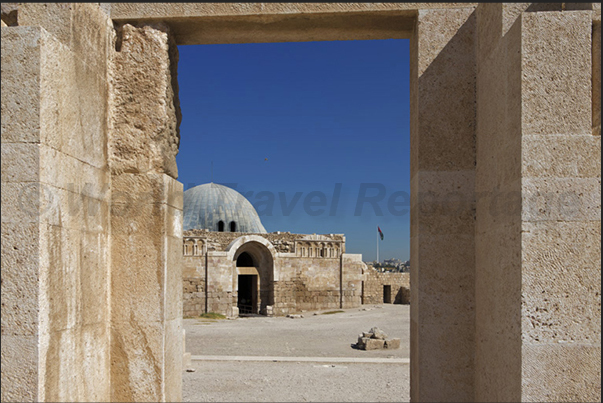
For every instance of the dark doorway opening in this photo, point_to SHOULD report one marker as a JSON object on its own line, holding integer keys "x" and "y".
{"x": 245, "y": 260}
{"x": 233, "y": 226}
{"x": 362, "y": 293}
{"x": 247, "y": 301}
{"x": 387, "y": 294}
{"x": 221, "y": 226}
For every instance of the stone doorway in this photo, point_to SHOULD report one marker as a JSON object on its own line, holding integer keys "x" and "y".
{"x": 446, "y": 161}
{"x": 387, "y": 294}
{"x": 478, "y": 86}
{"x": 247, "y": 299}
{"x": 253, "y": 256}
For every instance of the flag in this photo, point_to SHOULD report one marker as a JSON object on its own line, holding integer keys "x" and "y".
{"x": 380, "y": 233}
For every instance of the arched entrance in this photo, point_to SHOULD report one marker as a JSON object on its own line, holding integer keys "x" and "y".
{"x": 254, "y": 277}
{"x": 247, "y": 280}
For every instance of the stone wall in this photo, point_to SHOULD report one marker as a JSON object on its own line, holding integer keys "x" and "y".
{"x": 193, "y": 280}
{"x": 221, "y": 294}
{"x": 193, "y": 303}
{"x": 373, "y": 282}
{"x": 300, "y": 282}
{"x": 306, "y": 284}
{"x": 283, "y": 242}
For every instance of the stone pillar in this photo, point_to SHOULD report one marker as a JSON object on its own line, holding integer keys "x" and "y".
{"x": 538, "y": 211}
{"x": 146, "y": 218}
{"x": 561, "y": 211}
{"x": 55, "y": 198}
{"x": 442, "y": 196}
{"x": 498, "y": 208}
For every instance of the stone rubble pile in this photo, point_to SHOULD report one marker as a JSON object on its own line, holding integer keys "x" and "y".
{"x": 376, "y": 339}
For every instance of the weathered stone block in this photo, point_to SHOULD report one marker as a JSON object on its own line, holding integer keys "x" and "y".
{"x": 561, "y": 286}
{"x": 445, "y": 59}
{"x": 94, "y": 272}
{"x": 137, "y": 357}
{"x": 73, "y": 105}
{"x": 146, "y": 136}
{"x": 556, "y": 72}
{"x": 60, "y": 271}
{"x": 572, "y": 156}
{"x": 563, "y": 199}
{"x": 20, "y": 279}
{"x": 20, "y": 162}
{"x": 21, "y": 52}
{"x": 70, "y": 173}
{"x": 91, "y": 29}
{"x": 446, "y": 202}
{"x": 96, "y": 362}
{"x": 437, "y": 342}
{"x": 19, "y": 381}
{"x": 573, "y": 372}
{"x": 373, "y": 344}
{"x": 392, "y": 343}
{"x": 54, "y": 17}
{"x": 140, "y": 282}
{"x": 449, "y": 266}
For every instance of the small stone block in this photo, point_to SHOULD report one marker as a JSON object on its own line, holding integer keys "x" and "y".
{"x": 373, "y": 344}
{"x": 392, "y": 343}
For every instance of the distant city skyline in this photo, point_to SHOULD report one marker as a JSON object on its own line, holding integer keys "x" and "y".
{"x": 314, "y": 134}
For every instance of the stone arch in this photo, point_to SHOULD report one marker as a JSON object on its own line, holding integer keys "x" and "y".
{"x": 189, "y": 247}
{"x": 263, "y": 254}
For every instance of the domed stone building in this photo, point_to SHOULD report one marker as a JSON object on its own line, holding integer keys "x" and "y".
{"x": 219, "y": 208}
{"x": 233, "y": 266}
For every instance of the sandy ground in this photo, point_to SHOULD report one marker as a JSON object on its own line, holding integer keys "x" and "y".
{"x": 221, "y": 376}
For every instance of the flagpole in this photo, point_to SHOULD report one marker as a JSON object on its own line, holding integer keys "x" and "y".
{"x": 377, "y": 246}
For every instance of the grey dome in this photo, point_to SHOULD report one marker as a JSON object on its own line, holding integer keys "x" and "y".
{"x": 208, "y": 204}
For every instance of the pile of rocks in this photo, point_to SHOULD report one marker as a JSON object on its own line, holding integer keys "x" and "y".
{"x": 376, "y": 339}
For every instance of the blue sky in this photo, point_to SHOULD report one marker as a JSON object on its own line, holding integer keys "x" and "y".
{"x": 314, "y": 134}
